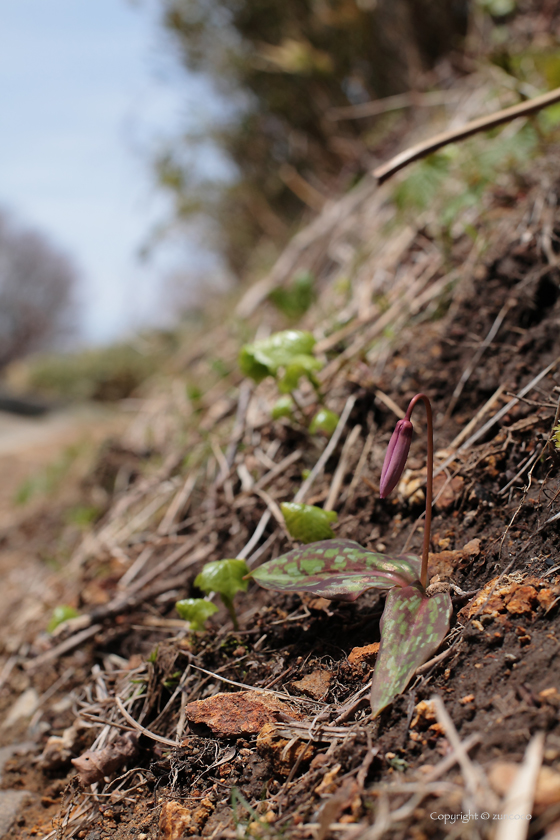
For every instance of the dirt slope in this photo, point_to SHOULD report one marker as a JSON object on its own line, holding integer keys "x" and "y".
{"x": 473, "y": 321}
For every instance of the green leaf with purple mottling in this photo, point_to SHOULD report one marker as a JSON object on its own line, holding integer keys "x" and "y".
{"x": 412, "y": 628}
{"x": 339, "y": 569}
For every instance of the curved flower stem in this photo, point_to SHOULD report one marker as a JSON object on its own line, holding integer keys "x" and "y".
{"x": 429, "y": 481}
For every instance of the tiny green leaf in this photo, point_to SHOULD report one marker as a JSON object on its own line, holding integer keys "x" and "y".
{"x": 324, "y": 422}
{"x": 308, "y": 523}
{"x": 299, "y": 366}
{"x": 195, "y": 611}
{"x": 339, "y": 569}
{"x": 295, "y": 299}
{"x": 263, "y": 358}
{"x": 61, "y": 613}
{"x": 282, "y": 408}
{"x": 223, "y": 576}
{"x": 412, "y": 628}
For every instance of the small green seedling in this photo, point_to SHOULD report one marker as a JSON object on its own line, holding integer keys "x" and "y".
{"x": 308, "y": 523}
{"x": 294, "y": 300}
{"x": 283, "y": 407}
{"x": 226, "y": 577}
{"x": 288, "y": 357}
{"x": 324, "y": 422}
{"x": 196, "y": 611}
{"x": 414, "y": 623}
{"x": 60, "y": 614}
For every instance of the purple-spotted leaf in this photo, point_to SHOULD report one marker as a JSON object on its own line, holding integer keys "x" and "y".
{"x": 339, "y": 569}
{"x": 412, "y": 628}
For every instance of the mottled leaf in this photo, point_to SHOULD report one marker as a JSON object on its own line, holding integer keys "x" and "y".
{"x": 339, "y": 569}
{"x": 196, "y": 611}
{"x": 223, "y": 576}
{"x": 412, "y": 628}
{"x": 308, "y": 523}
{"x": 263, "y": 358}
{"x": 324, "y": 422}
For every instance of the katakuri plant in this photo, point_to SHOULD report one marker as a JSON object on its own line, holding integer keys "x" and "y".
{"x": 414, "y": 621}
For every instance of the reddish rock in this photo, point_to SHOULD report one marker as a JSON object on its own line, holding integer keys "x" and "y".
{"x": 360, "y": 656}
{"x": 315, "y": 685}
{"x": 238, "y": 712}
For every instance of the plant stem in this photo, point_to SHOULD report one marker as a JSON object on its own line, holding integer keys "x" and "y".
{"x": 429, "y": 481}
{"x": 299, "y": 408}
{"x": 228, "y": 603}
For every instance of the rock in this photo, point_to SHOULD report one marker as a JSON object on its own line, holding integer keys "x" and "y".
{"x": 238, "y": 712}
{"x": 523, "y": 601}
{"x": 444, "y": 563}
{"x": 177, "y": 821}
{"x": 362, "y": 656}
{"x": 271, "y": 744}
{"x": 315, "y": 685}
{"x": 425, "y": 714}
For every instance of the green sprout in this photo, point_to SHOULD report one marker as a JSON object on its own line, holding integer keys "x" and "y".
{"x": 294, "y": 300}
{"x": 324, "y": 422}
{"x": 283, "y": 407}
{"x": 270, "y": 356}
{"x": 61, "y": 614}
{"x": 308, "y": 523}
{"x": 556, "y": 436}
{"x": 196, "y": 611}
{"x": 288, "y": 357}
{"x": 226, "y": 578}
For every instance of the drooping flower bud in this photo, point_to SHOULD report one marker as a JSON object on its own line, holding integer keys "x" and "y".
{"x": 395, "y": 457}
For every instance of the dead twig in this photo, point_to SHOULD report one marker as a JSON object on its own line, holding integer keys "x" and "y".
{"x": 420, "y": 150}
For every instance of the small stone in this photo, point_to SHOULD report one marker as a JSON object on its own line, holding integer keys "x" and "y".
{"x": 237, "y": 712}
{"x": 360, "y": 656}
{"x": 523, "y": 600}
{"x": 315, "y": 685}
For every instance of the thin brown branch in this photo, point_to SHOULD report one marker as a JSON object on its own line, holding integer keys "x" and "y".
{"x": 426, "y": 147}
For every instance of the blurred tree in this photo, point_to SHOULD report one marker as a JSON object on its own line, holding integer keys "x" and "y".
{"x": 36, "y": 285}
{"x": 280, "y": 65}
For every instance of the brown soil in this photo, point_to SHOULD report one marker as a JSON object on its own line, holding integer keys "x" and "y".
{"x": 312, "y": 766}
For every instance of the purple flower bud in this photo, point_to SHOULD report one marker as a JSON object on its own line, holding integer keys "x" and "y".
{"x": 395, "y": 457}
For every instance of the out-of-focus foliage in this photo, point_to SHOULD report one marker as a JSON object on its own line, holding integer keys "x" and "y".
{"x": 36, "y": 292}
{"x": 280, "y": 67}
{"x": 289, "y": 351}
{"x": 60, "y": 614}
{"x": 294, "y": 300}
{"x": 106, "y": 374}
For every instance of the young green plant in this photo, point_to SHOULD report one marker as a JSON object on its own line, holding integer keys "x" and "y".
{"x": 287, "y": 356}
{"x": 414, "y": 623}
{"x": 226, "y": 577}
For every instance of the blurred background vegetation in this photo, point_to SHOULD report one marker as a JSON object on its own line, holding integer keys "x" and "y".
{"x": 307, "y": 91}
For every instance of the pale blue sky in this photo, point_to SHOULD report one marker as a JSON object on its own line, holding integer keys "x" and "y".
{"x": 88, "y": 88}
